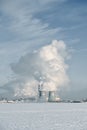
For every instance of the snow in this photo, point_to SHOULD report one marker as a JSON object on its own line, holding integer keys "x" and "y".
{"x": 43, "y": 116}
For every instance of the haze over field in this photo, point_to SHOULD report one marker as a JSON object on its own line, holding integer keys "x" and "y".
{"x": 43, "y": 41}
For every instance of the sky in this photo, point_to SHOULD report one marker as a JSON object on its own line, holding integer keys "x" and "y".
{"x": 27, "y": 25}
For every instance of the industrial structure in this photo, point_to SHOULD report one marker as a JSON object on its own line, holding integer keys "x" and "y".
{"x": 46, "y": 96}
{"x": 51, "y": 96}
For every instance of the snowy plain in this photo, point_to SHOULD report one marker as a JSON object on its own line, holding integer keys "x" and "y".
{"x": 43, "y": 116}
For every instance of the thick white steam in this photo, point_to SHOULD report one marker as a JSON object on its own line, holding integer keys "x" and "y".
{"x": 46, "y": 65}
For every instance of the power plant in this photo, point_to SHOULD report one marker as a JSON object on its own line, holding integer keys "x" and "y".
{"x": 46, "y": 96}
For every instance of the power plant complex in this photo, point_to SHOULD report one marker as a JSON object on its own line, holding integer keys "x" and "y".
{"x": 42, "y": 95}
{"x": 46, "y": 96}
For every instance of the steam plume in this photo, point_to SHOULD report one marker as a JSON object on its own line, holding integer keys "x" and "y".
{"x": 46, "y": 65}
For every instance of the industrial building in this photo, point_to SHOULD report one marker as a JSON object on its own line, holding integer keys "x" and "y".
{"x": 46, "y": 96}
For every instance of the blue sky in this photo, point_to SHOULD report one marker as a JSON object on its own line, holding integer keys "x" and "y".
{"x": 26, "y": 25}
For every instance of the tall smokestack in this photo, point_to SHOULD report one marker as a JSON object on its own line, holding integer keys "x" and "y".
{"x": 51, "y": 95}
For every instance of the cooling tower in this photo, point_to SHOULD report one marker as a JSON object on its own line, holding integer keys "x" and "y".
{"x": 41, "y": 93}
{"x": 42, "y": 96}
{"x": 51, "y": 96}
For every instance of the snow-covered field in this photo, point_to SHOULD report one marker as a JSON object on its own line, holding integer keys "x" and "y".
{"x": 43, "y": 116}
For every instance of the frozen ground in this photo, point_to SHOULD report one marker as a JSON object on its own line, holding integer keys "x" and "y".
{"x": 40, "y": 116}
